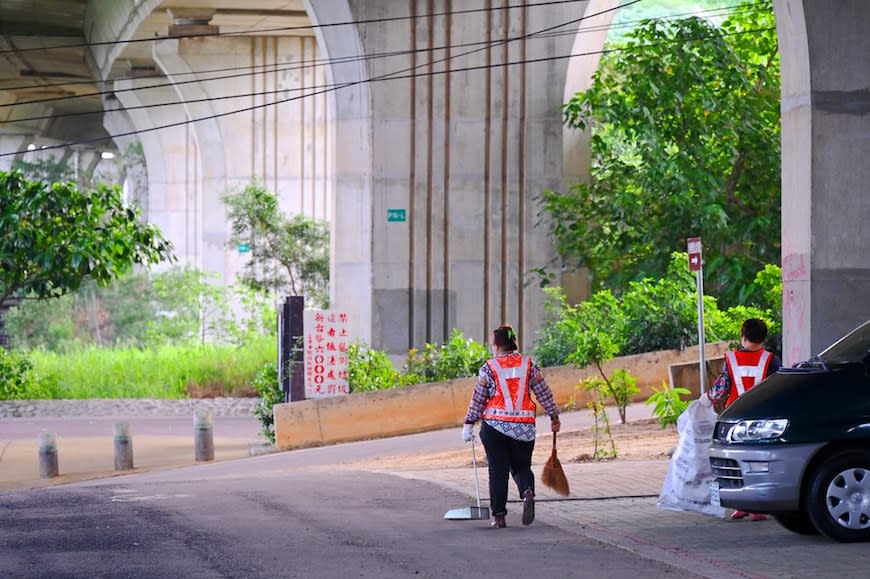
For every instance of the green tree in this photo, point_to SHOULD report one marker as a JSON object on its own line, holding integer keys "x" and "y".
{"x": 286, "y": 254}
{"x": 53, "y": 238}
{"x": 684, "y": 121}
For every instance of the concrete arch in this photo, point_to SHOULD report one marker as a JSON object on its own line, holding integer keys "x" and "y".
{"x": 112, "y": 21}
{"x": 796, "y": 178}
{"x": 349, "y": 166}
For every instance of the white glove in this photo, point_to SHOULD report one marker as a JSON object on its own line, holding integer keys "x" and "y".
{"x": 705, "y": 400}
{"x": 467, "y": 434}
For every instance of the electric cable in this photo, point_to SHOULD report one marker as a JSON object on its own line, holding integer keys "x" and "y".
{"x": 327, "y": 88}
{"x": 338, "y": 85}
{"x": 345, "y": 85}
{"x": 293, "y": 28}
{"x": 274, "y": 67}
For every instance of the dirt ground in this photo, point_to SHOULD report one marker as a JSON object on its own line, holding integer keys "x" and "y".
{"x": 635, "y": 440}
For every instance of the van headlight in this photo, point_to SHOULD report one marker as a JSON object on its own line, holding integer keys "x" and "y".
{"x": 756, "y": 430}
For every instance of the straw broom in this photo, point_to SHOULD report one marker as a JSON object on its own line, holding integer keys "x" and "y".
{"x": 553, "y": 476}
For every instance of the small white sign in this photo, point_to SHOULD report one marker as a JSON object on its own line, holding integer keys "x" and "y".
{"x": 326, "y": 342}
{"x": 714, "y": 495}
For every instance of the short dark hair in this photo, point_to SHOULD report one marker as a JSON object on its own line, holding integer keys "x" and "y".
{"x": 504, "y": 337}
{"x": 754, "y": 330}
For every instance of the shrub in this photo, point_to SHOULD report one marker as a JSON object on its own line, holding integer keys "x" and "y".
{"x": 457, "y": 358}
{"x": 269, "y": 390}
{"x": 667, "y": 404}
{"x": 17, "y": 376}
{"x": 369, "y": 369}
{"x": 652, "y": 315}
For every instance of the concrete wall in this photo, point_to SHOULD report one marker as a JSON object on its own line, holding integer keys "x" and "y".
{"x": 443, "y": 404}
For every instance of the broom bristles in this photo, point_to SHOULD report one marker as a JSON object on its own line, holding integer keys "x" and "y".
{"x": 553, "y": 475}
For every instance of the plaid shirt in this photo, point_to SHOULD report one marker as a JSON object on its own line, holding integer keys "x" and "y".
{"x": 484, "y": 390}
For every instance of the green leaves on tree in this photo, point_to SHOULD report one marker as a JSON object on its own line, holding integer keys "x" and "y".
{"x": 53, "y": 237}
{"x": 685, "y": 141}
{"x": 287, "y": 255}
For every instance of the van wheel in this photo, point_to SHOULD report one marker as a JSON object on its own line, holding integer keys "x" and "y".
{"x": 839, "y": 497}
{"x": 796, "y": 522}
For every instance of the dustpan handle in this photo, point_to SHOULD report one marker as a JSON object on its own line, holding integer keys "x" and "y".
{"x": 474, "y": 465}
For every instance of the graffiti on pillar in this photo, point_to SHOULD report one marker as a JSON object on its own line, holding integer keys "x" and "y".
{"x": 326, "y": 343}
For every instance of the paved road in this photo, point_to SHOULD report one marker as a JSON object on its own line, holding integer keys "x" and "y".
{"x": 311, "y": 513}
{"x": 265, "y": 517}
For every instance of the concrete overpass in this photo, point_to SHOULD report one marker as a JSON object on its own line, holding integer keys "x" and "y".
{"x": 462, "y": 156}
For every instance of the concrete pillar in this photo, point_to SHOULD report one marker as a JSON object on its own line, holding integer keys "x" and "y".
{"x": 591, "y": 35}
{"x": 9, "y": 143}
{"x": 465, "y": 155}
{"x": 825, "y": 201}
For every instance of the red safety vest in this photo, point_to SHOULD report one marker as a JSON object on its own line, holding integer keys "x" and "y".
{"x": 747, "y": 369}
{"x": 511, "y": 402}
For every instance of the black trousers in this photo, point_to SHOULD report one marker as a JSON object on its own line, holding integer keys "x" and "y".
{"x": 505, "y": 456}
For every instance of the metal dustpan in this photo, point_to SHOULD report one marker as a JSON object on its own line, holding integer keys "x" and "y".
{"x": 477, "y": 513}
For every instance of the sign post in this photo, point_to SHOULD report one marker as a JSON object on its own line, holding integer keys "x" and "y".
{"x": 695, "y": 264}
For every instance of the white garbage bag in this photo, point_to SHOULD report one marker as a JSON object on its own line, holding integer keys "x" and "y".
{"x": 687, "y": 484}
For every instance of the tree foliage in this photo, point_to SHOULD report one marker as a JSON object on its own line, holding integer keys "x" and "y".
{"x": 684, "y": 121}
{"x": 289, "y": 255}
{"x": 54, "y": 237}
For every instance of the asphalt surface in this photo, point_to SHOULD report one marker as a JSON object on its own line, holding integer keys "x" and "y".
{"x": 317, "y": 513}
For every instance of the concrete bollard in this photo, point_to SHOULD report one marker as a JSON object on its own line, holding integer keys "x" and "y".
{"x": 47, "y": 455}
{"x": 203, "y": 436}
{"x": 123, "y": 446}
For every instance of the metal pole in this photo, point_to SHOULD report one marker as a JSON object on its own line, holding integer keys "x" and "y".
{"x": 701, "y": 337}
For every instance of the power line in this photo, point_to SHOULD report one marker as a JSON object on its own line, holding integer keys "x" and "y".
{"x": 272, "y": 69}
{"x": 292, "y": 28}
{"x": 393, "y": 76}
{"x": 629, "y": 24}
{"x": 345, "y": 85}
{"x": 327, "y": 87}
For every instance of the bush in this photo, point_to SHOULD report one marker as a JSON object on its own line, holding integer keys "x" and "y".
{"x": 667, "y": 404}
{"x": 142, "y": 310}
{"x": 269, "y": 390}
{"x": 369, "y": 370}
{"x": 457, "y": 358}
{"x": 17, "y": 376}
{"x": 652, "y": 315}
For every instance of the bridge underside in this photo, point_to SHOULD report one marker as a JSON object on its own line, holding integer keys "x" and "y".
{"x": 215, "y": 95}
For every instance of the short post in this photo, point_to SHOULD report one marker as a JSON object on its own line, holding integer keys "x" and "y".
{"x": 203, "y": 436}
{"x": 123, "y": 446}
{"x": 47, "y": 455}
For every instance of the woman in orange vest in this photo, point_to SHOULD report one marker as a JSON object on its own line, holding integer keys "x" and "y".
{"x": 502, "y": 400}
{"x": 744, "y": 368}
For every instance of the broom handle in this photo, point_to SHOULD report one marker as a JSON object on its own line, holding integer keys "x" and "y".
{"x": 554, "y": 444}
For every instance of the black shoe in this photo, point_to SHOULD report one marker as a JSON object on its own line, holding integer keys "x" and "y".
{"x": 498, "y": 522}
{"x": 528, "y": 507}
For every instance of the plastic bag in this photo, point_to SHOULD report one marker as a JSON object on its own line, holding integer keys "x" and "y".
{"x": 687, "y": 484}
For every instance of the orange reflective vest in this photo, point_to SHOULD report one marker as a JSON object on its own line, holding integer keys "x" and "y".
{"x": 747, "y": 369}
{"x": 511, "y": 402}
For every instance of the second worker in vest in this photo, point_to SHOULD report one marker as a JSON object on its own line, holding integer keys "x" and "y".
{"x": 502, "y": 400}
{"x": 744, "y": 368}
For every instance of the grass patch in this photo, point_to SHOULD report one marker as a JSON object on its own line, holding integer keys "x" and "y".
{"x": 165, "y": 372}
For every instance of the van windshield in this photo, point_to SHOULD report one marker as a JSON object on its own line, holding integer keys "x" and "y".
{"x": 851, "y": 348}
